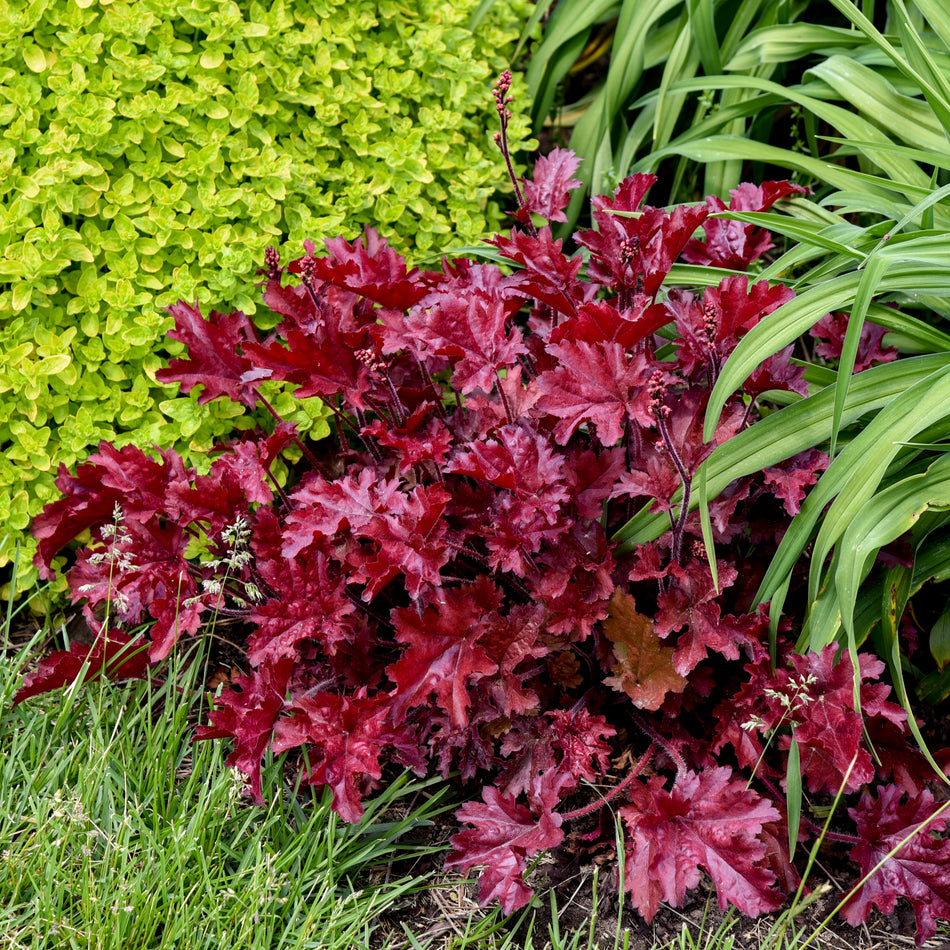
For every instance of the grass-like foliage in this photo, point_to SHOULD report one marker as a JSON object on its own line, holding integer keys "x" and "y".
{"x": 151, "y": 151}
{"x": 449, "y": 582}
{"x": 119, "y": 832}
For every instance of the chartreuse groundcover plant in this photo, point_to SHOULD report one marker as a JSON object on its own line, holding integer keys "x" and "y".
{"x": 448, "y": 583}
{"x": 151, "y": 150}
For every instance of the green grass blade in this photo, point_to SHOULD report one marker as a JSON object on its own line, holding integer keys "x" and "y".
{"x": 806, "y": 232}
{"x": 938, "y": 16}
{"x": 854, "y": 475}
{"x": 790, "y": 321}
{"x": 793, "y": 794}
{"x": 788, "y": 42}
{"x": 881, "y": 520}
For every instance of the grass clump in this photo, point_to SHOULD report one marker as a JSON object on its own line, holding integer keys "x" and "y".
{"x": 117, "y": 831}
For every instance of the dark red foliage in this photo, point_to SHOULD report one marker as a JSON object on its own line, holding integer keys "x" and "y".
{"x": 344, "y": 736}
{"x": 734, "y": 244}
{"x": 919, "y": 868}
{"x": 549, "y": 190}
{"x": 436, "y": 586}
{"x": 113, "y": 654}
{"x": 248, "y": 715}
{"x": 215, "y": 349}
{"x": 831, "y": 330}
{"x": 503, "y": 836}
{"x": 709, "y": 820}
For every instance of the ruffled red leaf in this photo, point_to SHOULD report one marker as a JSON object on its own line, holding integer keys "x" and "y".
{"x": 503, "y": 836}
{"x": 733, "y": 244}
{"x": 345, "y": 736}
{"x": 410, "y": 541}
{"x": 317, "y": 365}
{"x": 831, "y": 330}
{"x": 548, "y": 275}
{"x": 247, "y": 715}
{"x": 445, "y": 656}
{"x": 548, "y": 191}
{"x": 789, "y": 480}
{"x": 919, "y": 871}
{"x": 598, "y": 385}
{"x": 631, "y": 251}
{"x": 368, "y": 267}
{"x": 472, "y": 332}
{"x": 691, "y": 603}
{"x": 324, "y": 508}
{"x": 113, "y": 654}
{"x": 709, "y": 820}
{"x": 112, "y": 477}
{"x": 310, "y": 603}
{"x": 215, "y": 358}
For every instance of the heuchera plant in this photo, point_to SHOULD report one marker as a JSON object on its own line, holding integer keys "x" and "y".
{"x": 436, "y": 588}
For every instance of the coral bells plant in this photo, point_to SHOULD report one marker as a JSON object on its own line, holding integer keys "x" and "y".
{"x": 436, "y": 587}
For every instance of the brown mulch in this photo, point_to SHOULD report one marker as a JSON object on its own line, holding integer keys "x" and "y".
{"x": 443, "y": 915}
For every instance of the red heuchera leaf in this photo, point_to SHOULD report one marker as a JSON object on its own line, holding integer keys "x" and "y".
{"x": 548, "y": 275}
{"x": 113, "y": 654}
{"x": 345, "y": 504}
{"x": 520, "y": 460}
{"x": 368, "y": 267}
{"x": 601, "y": 322}
{"x": 709, "y": 330}
{"x": 422, "y": 438}
{"x": 248, "y": 715}
{"x": 471, "y": 332}
{"x": 599, "y": 385}
{"x": 816, "y": 695}
{"x": 548, "y": 192}
{"x": 591, "y": 476}
{"x": 832, "y": 328}
{"x": 310, "y": 604}
{"x": 344, "y": 737}
{"x": 215, "y": 359}
{"x": 318, "y": 365}
{"x": 511, "y": 642}
{"x": 830, "y": 735}
{"x": 548, "y": 756}
{"x": 691, "y": 602}
{"x": 142, "y": 569}
{"x": 112, "y": 477}
{"x": 709, "y": 820}
{"x": 249, "y": 458}
{"x": 789, "y": 479}
{"x": 733, "y": 244}
{"x": 573, "y": 580}
{"x": 777, "y": 372}
{"x": 217, "y": 499}
{"x": 918, "y": 872}
{"x": 410, "y": 541}
{"x": 579, "y": 737}
{"x": 644, "y": 669}
{"x": 503, "y": 836}
{"x": 627, "y": 250}
{"x": 444, "y": 657}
